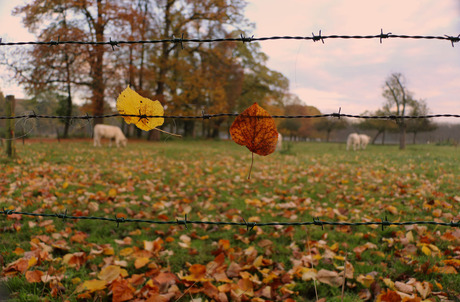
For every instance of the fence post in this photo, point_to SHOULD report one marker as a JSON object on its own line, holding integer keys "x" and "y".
{"x": 10, "y": 104}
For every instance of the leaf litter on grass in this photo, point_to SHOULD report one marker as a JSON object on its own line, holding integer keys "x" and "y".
{"x": 84, "y": 259}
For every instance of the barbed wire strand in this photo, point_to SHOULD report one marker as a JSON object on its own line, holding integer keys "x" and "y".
{"x": 209, "y": 116}
{"x": 249, "y": 225}
{"x": 242, "y": 38}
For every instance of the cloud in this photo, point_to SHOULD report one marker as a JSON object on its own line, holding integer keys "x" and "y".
{"x": 350, "y": 73}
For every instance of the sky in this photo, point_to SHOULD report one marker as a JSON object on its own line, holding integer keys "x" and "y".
{"x": 349, "y": 74}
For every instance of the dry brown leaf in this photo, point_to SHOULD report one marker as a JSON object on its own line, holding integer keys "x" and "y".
{"x": 255, "y": 129}
{"x": 403, "y": 287}
{"x": 329, "y": 277}
{"x": 424, "y": 289}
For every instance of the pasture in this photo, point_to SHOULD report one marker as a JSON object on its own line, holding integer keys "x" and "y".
{"x": 76, "y": 260}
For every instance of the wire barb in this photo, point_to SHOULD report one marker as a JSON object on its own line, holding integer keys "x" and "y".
{"x": 453, "y": 39}
{"x": 383, "y": 36}
{"x": 338, "y": 115}
{"x": 54, "y": 43}
{"x": 317, "y": 38}
{"x": 184, "y": 222}
{"x": 113, "y": 44}
{"x": 118, "y": 220}
{"x": 246, "y": 39}
{"x": 204, "y": 115}
{"x": 179, "y": 40}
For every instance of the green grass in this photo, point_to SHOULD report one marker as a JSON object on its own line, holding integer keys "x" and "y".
{"x": 207, "y": 180}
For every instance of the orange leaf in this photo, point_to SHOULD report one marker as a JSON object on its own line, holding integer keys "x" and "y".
{"x": 197, "y": 273}
{"x": 259, "y": 135}
{"x": 122, "y": 291}
{"x": 34, "y": 276}
{"x": 389, "y": 296}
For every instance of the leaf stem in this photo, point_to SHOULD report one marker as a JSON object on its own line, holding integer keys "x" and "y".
{"x": 252, "y": 162}
{"x": 173, "y": 134}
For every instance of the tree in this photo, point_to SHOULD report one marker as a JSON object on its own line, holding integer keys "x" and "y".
{"x": 94, "y": 19}
{"x": 329, "y": 124}
{"x": 419, "y": 124}
{"x": 381, "y": 125}
{"x": 298, "y": 127}
{"x": 398, "y": 100}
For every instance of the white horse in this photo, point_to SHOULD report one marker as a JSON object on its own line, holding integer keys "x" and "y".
{"x": 364, "y": 140}
{"x": 110, "y": 132}
{"x": 353, "y": 140}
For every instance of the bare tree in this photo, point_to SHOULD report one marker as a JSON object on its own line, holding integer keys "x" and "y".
{"x": 398, "y": 100}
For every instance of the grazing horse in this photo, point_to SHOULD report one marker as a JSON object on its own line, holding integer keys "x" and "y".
{"x": 353, "y": 140}
{"x": 110, "y": 132}
{"x": 364, "y": 140}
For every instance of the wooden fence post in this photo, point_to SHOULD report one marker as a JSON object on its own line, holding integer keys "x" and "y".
{"x": 10, "y": 104}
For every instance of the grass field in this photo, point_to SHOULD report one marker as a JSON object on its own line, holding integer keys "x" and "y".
{"x": 75, "y": 260}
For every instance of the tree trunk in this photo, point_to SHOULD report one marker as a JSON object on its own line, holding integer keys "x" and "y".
{"x": 189, "y": 128}
{"x": 375, "y": 137}
{"x": 68, "y": 111}
{"x": 402, "y": 137}
{"x": 414, "y": 140}
{"x": 383, "y": 137}
{"x": 98, "y": 84}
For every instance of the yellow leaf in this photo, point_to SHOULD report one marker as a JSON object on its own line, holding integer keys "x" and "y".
{"x": 389, "y": 283}
{"x": 112, "y": 192}
{"x": 258, "y": 261}
{"x": 65, "y": 185}
{"x": 76, "y": 280}
{"x": 109, "y": 273}
{"x": 141, "y": 262}
{"x": 91, "y": 285}
{"x": 131, "y": 103}
{"x": 392, "y": 210}
{"x": 365, "y": 280}
{"x": 126, "y": 251}
{"x": 426, "y": 250}
{"x": 32, "y": 262}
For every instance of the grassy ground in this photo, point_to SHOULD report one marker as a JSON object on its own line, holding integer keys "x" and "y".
{"x": 206, "y": 180}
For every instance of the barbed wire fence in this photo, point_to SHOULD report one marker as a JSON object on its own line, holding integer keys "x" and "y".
{"x": 249, "y": 225}
{"x": 384, "y": 222}
{"x": 242, "y": 38}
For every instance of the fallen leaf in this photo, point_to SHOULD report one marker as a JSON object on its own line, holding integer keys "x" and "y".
{"x": 403, "y": 287}
{"x": 141, "y": 262}
{"x": 34, "y": 276}
{"x": 424, "y": 289}
{"x": 366, "y": 280}
{"x": 122, "y": 291}
{"x": 389, "y": 296}
{"x": 329, "y": 277}
{"x": 91, "y": 285}
{"x": 109, "y": 273}
{"x": 130, "y": 102}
